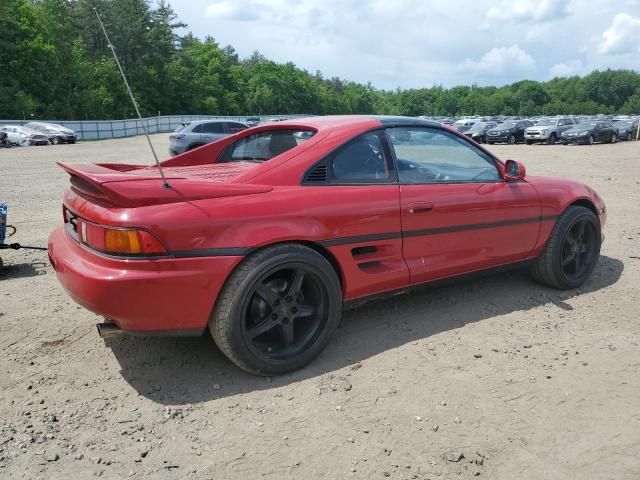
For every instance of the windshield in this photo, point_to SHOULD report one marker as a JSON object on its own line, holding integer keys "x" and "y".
{"x": 479, "y": 127}
{"x": 507, "y": 125}
{"x": 625, "y": 123}
{"x": 586, "y": 125}
{"x": 263, "y": 146}
{"x": 546, "y": 122}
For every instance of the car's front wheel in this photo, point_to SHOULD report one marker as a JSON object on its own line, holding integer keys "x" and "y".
{"x": 55, "y": 140}
{"x": 278, "y": 310}
{"x": 571, "y": 252}
{"x": 629, "y": 137}
{"x": 614, "y": 138}
{"x": 512, "y": 140}
{"x": 552, "y": 139}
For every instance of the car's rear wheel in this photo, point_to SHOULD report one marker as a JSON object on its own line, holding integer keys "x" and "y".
{"x": 278, "y": 310}
{"x": 571, "y": 252}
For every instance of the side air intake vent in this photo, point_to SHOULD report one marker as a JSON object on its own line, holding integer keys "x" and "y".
{"x": 319, "y": 174}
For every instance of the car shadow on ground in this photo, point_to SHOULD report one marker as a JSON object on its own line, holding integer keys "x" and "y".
{"x": 179, "y": 371}
{"x": 23, "y": 270}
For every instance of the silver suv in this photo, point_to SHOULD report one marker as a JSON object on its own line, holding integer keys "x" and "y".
{"x": 199, "y": 133}
{"x": 547, "y": 130}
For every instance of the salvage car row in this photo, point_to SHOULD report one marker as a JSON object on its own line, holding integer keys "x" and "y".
{"x": 35, "y": 133}
{"x": 549, "y": 130}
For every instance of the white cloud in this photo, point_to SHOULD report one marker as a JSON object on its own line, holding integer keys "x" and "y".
{"x": 530, "y": 11}
{"x": 566, "y": 69}
{"x": 231, "y": 11}
{"x": 412, "y": 44}
{"x": 623, "y": 36}
{"x": 500, "y": 61}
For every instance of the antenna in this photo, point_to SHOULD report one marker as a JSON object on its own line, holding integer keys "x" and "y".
{"x": 135, "y": 104}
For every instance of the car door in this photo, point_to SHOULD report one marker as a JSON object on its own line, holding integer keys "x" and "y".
{"x": 358, "y": 200}
{"x": 457, "y": 212}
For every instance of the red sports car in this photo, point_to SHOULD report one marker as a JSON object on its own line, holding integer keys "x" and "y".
{"x": 264, "y": 236}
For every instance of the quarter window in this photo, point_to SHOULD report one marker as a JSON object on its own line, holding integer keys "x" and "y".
{"x": 427, "y": 155}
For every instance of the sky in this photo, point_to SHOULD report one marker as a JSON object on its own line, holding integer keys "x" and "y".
{"x": 413, "y": 43}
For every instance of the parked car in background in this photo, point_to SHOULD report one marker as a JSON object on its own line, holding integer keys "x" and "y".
{"x": 627, "y": 129}
{"x": 478, "y": 131}
{"x": 252, "y": 121}
{"x": 25, "y": 136}
{"x": 590, "y": 132}
{"x": 198, "y": 133}
{"x": 511, "y": 131}
{"x": 547, "y": 130}
{"x": 56, "y": 133}
{"x": 464, "y": 124}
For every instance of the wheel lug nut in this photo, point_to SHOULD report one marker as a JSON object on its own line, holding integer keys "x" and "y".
{"x": 289, "y": 299}
{"x": 285, "y": 320}
{"x": 276, "y": 303}
{"x": 274, "y": 316}
{"x": 294, "y": 310}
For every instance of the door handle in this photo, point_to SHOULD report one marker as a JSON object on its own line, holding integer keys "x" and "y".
{"x": 420, "y": 207}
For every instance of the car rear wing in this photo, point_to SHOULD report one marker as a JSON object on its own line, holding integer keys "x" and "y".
{"x": 116, "y": 185}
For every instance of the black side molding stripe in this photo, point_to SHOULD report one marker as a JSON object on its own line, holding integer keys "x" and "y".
{"x": 244, "y": 251}
{"x": 433, "y": 231}
{"x": 362, "y": 238}
{"x": 476, "y": 226}
{"x": 213, "y": 252}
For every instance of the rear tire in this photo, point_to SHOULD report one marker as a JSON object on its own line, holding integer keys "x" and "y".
{"x": 568, "y": 260}
{"x": 277, "y": 310}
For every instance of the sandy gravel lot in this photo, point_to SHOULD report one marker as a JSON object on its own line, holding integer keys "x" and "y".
{"x": 525, "y": 381}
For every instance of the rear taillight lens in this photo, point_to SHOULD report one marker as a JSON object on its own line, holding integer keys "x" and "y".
{"x": 119, "y": 241}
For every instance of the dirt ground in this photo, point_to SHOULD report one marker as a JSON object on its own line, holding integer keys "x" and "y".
{"x": 524, "y": 381}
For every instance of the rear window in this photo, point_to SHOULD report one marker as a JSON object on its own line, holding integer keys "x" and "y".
{"x": 263, "y": 146}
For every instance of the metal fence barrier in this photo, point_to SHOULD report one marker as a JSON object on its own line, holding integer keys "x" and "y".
{"x": 103, "y": 129}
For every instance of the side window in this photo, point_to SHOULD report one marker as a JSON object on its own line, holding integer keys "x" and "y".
{"x": 213, "y": 127}
{"x": 426, "y": 155}
{"x": 263, "y": 146}
{"x": 362, "y": 160}
{"x": 197, "y": 128}
{"x": 235, "y": 127}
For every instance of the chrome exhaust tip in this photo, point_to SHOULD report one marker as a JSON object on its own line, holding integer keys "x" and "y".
{"x": 108, "y": 330}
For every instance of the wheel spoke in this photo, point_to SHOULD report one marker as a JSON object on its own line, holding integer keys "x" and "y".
{"x": 579, "y": 238}
{"x": 267, "y": 293}
{"x": 577, "y": 263}
{"x": 295, "y": 289}
{"x": 569, "y": 258}
{"x": 305, "y": 311}
{"x": 261, "y": 328}
{"x": 286, "y": 329}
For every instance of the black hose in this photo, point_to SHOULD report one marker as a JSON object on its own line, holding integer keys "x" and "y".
{"x": 17, "y": 246}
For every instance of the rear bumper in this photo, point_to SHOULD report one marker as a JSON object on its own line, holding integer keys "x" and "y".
{"x": 141, "y": 296}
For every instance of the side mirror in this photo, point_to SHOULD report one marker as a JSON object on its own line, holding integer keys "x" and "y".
{"x": 514, "y": 171}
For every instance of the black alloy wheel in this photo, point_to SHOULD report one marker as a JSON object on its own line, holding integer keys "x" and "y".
{"x": 578, "y": 249}
{"x": 572, "y": 250}
{"x": 285, "y": 312}
{"x": 277, "y": 310}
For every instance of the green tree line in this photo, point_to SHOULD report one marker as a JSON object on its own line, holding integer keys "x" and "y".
{"x": 55, "y": 64}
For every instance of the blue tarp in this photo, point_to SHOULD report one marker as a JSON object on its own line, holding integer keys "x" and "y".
{"x": 3, "y": 221}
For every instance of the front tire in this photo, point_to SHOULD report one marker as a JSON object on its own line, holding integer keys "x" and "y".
{"x": 512, "y": 140}
{"x": 571, "y": 252}
{"x": 614, "y": 138}
{"x": 591, "y": 140}
{"x": 552, "y": 139}
{"x": 629, "y": 137}
{"x": 55, "y": 141}
{"x": 277, "y": 310}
